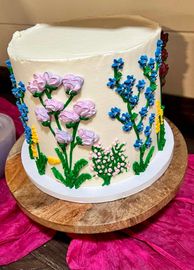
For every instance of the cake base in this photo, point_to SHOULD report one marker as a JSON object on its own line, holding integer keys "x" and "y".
{"x": 95, "y": 218}
{"x": 98, "y": 194}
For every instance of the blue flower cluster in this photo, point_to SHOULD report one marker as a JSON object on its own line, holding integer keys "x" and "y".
{"x": 23, "y": 109}
{"x": 158, "y": 52}
{"x": 118, "y": 63}
{"x": 27, "y": 133}
{"x": 112, "y": 83}
{"x": 152, "y": 118}
{"x": 148, "y": 142}
{"x": 114, "y": 112}
{"x": 127, "y": 126}
{"x": 143, "y": 61}
{"x": 147, "y": 131}
{"x": 143, "y": 112}
{"x": 8, "y": 64}
{"x": 149, "y": 96}
{"x": 19, "y": 91}
{"x": 141, "y": 85}
{"x": 12, "y": 77}
{"x": 138, "y": 144}
{"x": 140, "y": 127}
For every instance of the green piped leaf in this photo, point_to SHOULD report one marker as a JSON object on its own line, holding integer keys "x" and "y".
{"x": 81, "y": 179}
{"x": 58, "y": 175}
{"x": 41, "y": 163}
{"x": 62, "y": 159}
{"x": 78, "y": 166}
{"x": 149, "y": 156}
{"x": 134, "y": 116}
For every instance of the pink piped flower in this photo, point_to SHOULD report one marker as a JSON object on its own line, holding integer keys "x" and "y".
{"x": 62, "y": 136}
{"x": 87, "y": 137}
{"x": 37, "y": 85}
{"x": 41, "y": 80}
{"x": 68, "y": 116}
{"x": 72, "y": 83}
{"x": 52, "y": 79}
{"x": 85, "y": 108}
{"x": 42, "y": 114}
{"x": 53, "y": 105}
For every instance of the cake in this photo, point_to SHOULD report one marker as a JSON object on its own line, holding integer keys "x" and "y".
{"x": 89, "y": 94}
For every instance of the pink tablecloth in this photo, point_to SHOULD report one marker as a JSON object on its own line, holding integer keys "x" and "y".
{"x": 18, "y": 234}
{"x": 164, "y": 242}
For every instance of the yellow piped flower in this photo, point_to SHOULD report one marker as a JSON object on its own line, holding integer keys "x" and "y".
{"x": 157, "y": 124}
{"x": 34, "y": 150}
{"x": 53, "y": 160}
{"x": 34, "y": 135}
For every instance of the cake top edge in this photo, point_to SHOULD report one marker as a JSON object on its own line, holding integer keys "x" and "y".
{"x": 81, "y": 38}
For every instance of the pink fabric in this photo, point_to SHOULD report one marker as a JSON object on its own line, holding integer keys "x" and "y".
{"x": 165, "y": 241}
{"x": 18, "y": 234}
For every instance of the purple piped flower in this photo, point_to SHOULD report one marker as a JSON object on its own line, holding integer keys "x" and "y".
{"x": 85, "y": 108}
{"x": 37, "y": 85}
{"x": 68, "y": 116}
{"x": 42, "y": 114}
{"x": 72, "y": 83}
{"x": 40, "y": 81}
{"x": 53, "y": 105}
{"x": 52, "y": 79}
{"x": 63, "y": 137}
{"x": 87, "y": 137}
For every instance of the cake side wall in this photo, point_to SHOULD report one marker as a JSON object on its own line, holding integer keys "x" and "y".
{"x": 96, "y": 71}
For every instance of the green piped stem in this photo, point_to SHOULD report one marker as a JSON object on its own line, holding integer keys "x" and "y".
{"x": 56, "y": 115}
{"x": 73, "y": 144}
{"x": 68, "y": 101}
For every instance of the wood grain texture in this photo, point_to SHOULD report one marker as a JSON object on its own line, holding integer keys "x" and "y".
{"x": 95, "y": 218}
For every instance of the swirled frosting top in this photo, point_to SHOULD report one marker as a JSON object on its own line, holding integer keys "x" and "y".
{"x": 81, "y": 38}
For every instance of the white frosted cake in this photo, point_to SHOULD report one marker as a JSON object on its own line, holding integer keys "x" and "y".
{"x": 89, "y": 95}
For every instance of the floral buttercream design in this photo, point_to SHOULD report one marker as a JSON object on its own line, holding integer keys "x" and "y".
{"x": 64, "y": 121}
{"x": 133, "y": 119}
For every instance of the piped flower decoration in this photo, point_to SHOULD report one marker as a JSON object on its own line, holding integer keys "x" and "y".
{"x": 72, "y": 83}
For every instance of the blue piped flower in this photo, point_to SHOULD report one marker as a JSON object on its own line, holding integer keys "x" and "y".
{"x": 127, "y": 126}
{"x": 151, "y": 100}
{"x": 23, "y": 109}
{"x": 143, "y": 111}
{"x": 148, "y": 92}
{"x": 130, "y": 81}
{"x": 147, "y": 131}
{"x": 141, "y": 84}
{"x": 8, "y": 64}
{"x": 151, "y": 63}
{"x": 120, "y": 89}
{"x": 153, "y": 76}
{"x": 114, "y": 112}
{"x": 118, "y": 63}
{"x": 138, "y": 144}
{"x": 19, "y": 91}
{"x": 125, "y": 117}
{"x": 13, "y": 80}
{"x": 140, "y": 127}
{"x": 28, "y": 134}
{"x": 111, "y": 83}
{"x": 143, "y": 61}
{"x": 158, "y": 55}
{"x": 133, "y": 100}
{"x": 148, "y": 142}
{"x": 152, "y": 118}
{"x": 159, "y": 43}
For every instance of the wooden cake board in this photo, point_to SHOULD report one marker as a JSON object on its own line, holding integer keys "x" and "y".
{"x": 99, "y": 217}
